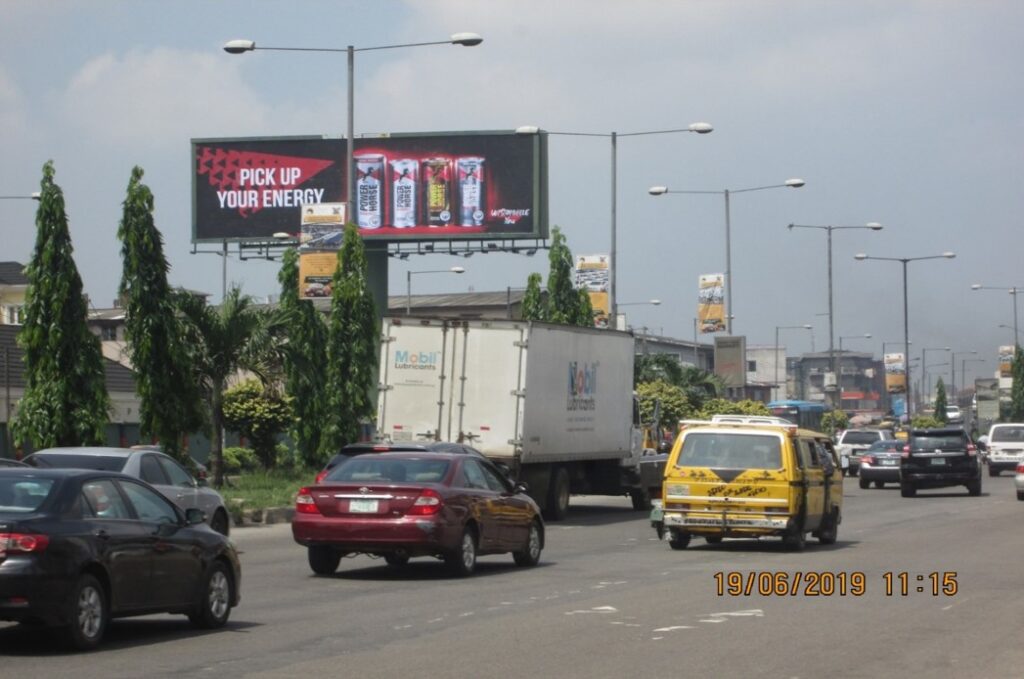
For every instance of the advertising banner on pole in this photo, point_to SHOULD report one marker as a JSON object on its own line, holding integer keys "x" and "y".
{"x": 731, "y": 360}
{"x": 1006, "y": 361}
{"x": 593, "y": 275}
{"x": 711, "y": 303}
{"x": 899, "y": 405}
{"x": 895, "y": 373}
{"x": 322, "y": 228}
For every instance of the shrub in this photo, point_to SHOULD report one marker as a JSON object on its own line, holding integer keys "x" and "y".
{"x": 238, "y": 459}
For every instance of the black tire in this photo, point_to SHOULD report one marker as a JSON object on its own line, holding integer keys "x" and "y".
{"x": 214, "y": 606}
{"x": 863, "y": 483}
{"x": 641, "y": 498}
{"x": 879, "y": 484}
{"x": 88, "y": 614}
{"x": 323, "y": 560}
{"x": 678, "y": 540}
{"x": 1020, "y": 495}
{"x": 854, "y": 472}
{"x": 829, "y": 531}
{"x": 713, "y": 539}
{"x": 993, "y": 471}
{"x": 397, "y": 560}
{"x": 557, "y": 506}
{"x": 220, "y": 522}
{"x": 974, "y": 487}
{"x": 907, "y": 489}
{"x": 530, "y": 554}
{"x": 462, "y": 561}
{"x": 795, "y": 540}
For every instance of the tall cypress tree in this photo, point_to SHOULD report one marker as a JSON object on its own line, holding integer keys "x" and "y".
{"x": 351, "y": 347}
{"x": 940, "y": 402}
{"x": 170, "y": 402}
{"x": 65, "y": 401}
{"x": 563, "y": 300}
{"x": 303, "y": 361}
{"x": 533, "y": 301}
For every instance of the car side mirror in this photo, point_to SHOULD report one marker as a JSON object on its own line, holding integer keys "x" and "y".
{"x": 194, "y": 515}
{"x": 664, "y": 447}
{"x": 522, "y": 488}
{"x": 504, "y": 469}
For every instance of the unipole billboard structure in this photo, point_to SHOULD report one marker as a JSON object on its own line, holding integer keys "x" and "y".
{"x": 593, "y": 275}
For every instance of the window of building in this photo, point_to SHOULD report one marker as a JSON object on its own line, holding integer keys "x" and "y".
{"x": 13, "y": 314}
{"x": 751, "y": 366}
{"x": 108, "y": 333}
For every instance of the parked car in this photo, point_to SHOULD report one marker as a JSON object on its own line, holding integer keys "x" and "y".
{"x": 80, "y": 547}
{"x": 157, "y": 469}
{"x": 354, "y": 449}
{"x": 4, "y": 462}
{"x": 1018, "y": 481}
{"x": 880, "y": 463}
{"x": 452, "y": 506}
{"x": 937, "y": 458}
{"x": 851, "y": 442}
{"x": 1005, "y": 447}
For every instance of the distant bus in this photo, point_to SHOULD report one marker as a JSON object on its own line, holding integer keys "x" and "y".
{"x": 804, "y": 414}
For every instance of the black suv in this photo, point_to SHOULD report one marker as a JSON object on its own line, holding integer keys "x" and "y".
{"x": 936, "y": 458}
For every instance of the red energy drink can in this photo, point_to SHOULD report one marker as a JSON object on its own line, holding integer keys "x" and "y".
{"x": 437, "y": 191}
{"x": 470, "y": 171}
{"x": 369, "y": 191}
{"x": 404, "y": 187}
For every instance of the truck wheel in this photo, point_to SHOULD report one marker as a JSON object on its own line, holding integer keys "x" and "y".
{"x": 795, "y": 540}
{"x": 678, "y": 539}
{"x": 558, "y": 495}
{"x": 641, "y": 498}
{"x": 829, "y": 530}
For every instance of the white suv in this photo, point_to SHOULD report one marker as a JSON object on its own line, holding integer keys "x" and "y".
{"x": 851, "y": 442}
{"x": 1005, "y": 447}
{"x": 953, "y": 415}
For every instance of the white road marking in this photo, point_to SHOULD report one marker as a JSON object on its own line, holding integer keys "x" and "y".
{"x": 672, "y": 628}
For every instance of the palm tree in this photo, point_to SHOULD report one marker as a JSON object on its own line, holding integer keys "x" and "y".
{"x": 223, "y": 340}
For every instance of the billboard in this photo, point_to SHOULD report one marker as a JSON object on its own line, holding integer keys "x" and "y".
{"x": 710, "y": 303}
{"x": 895, "y": 373}
{"x": 593, "y": 275}
{"x": 731, "y": 360}
{"x": 417, "y": 187}
{"x": 1006, "y": 361}
{"x": 316, "y": 271}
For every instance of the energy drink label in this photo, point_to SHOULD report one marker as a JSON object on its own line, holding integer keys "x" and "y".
{"x": 404, "y": 174}
{"x": 437, "y": 187}
{"x": 471, "y": 191}
{"x": 369, "y": 191}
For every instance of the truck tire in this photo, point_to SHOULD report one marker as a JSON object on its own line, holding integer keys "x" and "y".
{"x": 641, "y": 498}
{"x": 557, "y": 506}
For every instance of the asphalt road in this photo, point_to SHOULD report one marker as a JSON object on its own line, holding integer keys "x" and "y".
{"x": 609, "y": 600}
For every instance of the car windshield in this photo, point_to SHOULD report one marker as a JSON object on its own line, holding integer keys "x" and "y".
{"x": 861, "y": 438}
{"x": 363, "y": 469}
{"x": 730, "y": 451}
{"x": 103, "y": 463}
{"x": 19, "y": 495}
{"x": 939, "y": 441}
{"x": 1007, "y": 434}
{"x": 885, "y": 446}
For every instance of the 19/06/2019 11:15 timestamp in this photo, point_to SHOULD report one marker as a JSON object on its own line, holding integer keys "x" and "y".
{"x": 828, "y": 583}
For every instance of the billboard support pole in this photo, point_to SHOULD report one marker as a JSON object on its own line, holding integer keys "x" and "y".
{"x": 224, "y": 272}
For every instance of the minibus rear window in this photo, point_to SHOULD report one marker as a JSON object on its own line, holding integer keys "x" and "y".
{"x": 730, "y": 451}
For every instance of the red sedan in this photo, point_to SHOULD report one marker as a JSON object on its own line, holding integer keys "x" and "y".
{"x": 401, "y": 505}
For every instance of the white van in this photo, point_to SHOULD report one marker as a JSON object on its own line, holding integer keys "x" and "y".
{"x": 1005, "y": 447}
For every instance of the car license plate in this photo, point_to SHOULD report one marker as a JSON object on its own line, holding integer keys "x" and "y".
{"x": 938, "y": 460}
{"x": 363, "y": 506}
{"x": 889, "y": 463}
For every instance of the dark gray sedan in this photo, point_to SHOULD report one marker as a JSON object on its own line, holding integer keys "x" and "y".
{"x": 159, "y": 470}
{"x": 880, "y": 463}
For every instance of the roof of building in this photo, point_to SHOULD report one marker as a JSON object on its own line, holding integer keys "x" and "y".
{"x": 12, "y": 273}
{"x": 118, "y": 378}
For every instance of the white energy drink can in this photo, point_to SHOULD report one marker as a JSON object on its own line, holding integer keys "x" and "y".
{"x": 404, "y": 184}
{"x": 470, "y": 173}
{"x": 369, "y": 191}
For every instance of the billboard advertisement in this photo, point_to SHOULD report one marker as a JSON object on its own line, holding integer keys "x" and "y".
{"x": 711, "y": 303}
{"x": 1006, "y": 361}
{"x": 731, "y": 360}
{"x": 417, "y": 187}
{"x": 593, "y": 275}
{"x": 316, "y": 270}
{"x": 895, "y": 373}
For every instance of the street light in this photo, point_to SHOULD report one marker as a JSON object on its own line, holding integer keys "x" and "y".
{"x": 785, "y": 327}
{"x": 873, "y": 226}
{"x": 242, "y": 46}
{"x": 1013, "y": 291}
{"x": 35, "y": 195}
{"x": 698, "y": 128}
{"x": 963, "y": 366}
{"x": 1010, "y": 327}
{"x": 860, "y": 257}
{"x": 952, "y": 382}
{"x": 866, "y": 335}
{"x": 926, "y": 388}
{"x": 652, "y": 302}
{"x": 408, "y": 283}
{"x": 793, "y": 183}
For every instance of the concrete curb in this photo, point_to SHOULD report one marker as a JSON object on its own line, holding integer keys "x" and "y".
{"x": 258, "y": 517}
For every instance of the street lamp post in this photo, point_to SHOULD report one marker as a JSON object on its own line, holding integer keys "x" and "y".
{"x": 785, "y": 327}
{"x": 698, "y": 128}
{"x": 873, "y": 226}
{"x": 793, "y": 183}
{"x": 925, "y": 387}
{"x": 408, "y": 283}
{"x": 860, "y": 257}
{"x": 1016, "y": 333}
{"x": 952, "y": 381}
{"x": 1013, "y": 290}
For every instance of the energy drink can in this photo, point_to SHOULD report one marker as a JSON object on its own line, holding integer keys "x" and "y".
{"x": 404, "y": 174}
{"x": 369, "y": 191}
{"x": 470, "y": 172}
{"x": 437, "y": 191}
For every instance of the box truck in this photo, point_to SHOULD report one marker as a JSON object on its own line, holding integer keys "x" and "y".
{"x": 553, "y": 404}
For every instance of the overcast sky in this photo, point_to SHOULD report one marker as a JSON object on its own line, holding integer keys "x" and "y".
{"x": 904, "y": 113}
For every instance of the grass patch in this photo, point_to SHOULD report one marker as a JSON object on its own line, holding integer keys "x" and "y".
{"x": 263, "y": 489}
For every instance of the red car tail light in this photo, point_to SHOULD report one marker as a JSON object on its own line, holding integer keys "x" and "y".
{"x": 1020, "y": 468}
{"x": 22, "y": 543}
{"x": 867, "y": 459}
{"x": 971, "y": 449}
{"x": 304, "y": 503}
{"x": 906, "y": 451}
{"x": 320, "y": 475}
{"x": 428, "y": 503}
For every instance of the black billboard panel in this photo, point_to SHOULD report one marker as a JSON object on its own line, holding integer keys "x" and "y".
{"x": 408, "y": 187}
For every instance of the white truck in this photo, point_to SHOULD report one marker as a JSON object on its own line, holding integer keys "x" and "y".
{"x": 554, "y": 404}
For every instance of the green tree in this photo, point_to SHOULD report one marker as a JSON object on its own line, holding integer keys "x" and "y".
{"x": 1017, "y": 388}
{"x": 65, "y": 402}
{"x": 834, "y": 421}
{"x": 223, "y": 340}
{"x": 585, "y": 310}
{"x": 170, "y": 403}
{"x": 940, "y": 403}
{"x": 657, "y": 367}
{"x": 303, "y": 362}
{"x": 563, "y": 300}
{"x": 533, "y": 301}
{"x": 720, "y": 406}
{"x": 674, "y": 404}
{"x": 351, "y": 347}
{"x": 259, "y": 414}
{"x": 925, "y": 422}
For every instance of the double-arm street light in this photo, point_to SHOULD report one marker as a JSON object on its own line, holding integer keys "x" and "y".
{"x": 698, "y": 128}
{"x": 408, "y": 283}
{"x": 785, "y": 327}
{"x": 793, "y": 183}
{"x": 1013, "y": 291}
{"x": 871, "y": 226}
{"x": 860, "y": 257}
